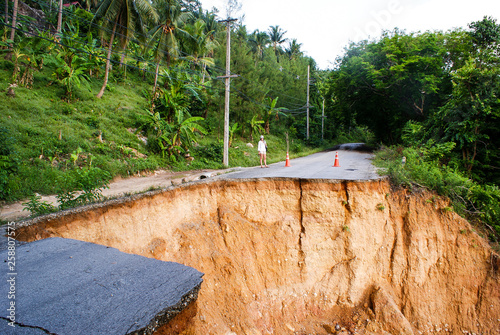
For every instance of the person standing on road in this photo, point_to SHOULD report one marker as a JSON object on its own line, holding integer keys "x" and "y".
{"x": 262, "y": 148}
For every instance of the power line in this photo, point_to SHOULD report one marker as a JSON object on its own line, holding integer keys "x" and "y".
{"x": 292, "y": 107}
{"x": 70, "y": 14}
{"x": 103, "y": 57}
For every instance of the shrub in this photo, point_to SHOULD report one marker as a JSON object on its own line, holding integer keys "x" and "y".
{"x": 423, "y": 168}
{"x": 211, "y": 152}
{"x": 89, "y": 183}
{"x": 37, "y": 207}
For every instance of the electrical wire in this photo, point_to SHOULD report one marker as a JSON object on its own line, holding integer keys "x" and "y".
{"x": 70, "y": 14}
{"x": 292, "y": 108}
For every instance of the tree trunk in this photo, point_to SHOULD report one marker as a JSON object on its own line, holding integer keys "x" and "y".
{"x": 122, "y": 58}
{"x": 204, "y": 70}
{"x": 6, "y": 11}
{"x": 59, "y": 18}
{"x": 156, "y": 78}
{"x": 108, "y": 61}
{"x": 14, "y": 18}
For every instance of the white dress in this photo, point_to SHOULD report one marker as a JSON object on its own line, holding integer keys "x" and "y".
{"x": 262, "y": 147}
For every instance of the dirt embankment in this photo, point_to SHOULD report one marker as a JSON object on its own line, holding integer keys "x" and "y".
{"x": 302, "y": 257}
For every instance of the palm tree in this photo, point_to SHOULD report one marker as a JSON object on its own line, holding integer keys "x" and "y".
{"x": 164, "y": 35}
{"x": 293, "y": 49}
{"x": 259, "y": 40}
{"x": 211, "y": 24}
{"x": 199, "y": 44}
{"x": 124, "y": 17}
{"x": 276, "y": 35}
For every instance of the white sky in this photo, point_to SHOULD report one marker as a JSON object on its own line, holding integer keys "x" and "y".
{"x": 325, "y": 27}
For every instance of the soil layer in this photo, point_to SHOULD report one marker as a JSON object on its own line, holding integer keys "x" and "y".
{"x": 292, "y": 256}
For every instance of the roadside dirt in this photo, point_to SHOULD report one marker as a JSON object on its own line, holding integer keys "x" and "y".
{"x": 118, "y": 187}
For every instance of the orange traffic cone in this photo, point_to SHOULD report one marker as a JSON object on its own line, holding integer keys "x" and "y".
{"x": 287, "y": 163}
{"x": 336, "y": 163}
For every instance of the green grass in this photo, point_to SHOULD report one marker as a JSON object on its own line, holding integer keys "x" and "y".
{"x": 480, "y": 204}
{"x": 44, "y": 131}
{"x": 45, "y": 138}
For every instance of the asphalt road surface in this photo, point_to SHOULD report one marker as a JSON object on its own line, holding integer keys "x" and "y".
{"x": 65, "y": 286}
{"x": 354, "y": 165}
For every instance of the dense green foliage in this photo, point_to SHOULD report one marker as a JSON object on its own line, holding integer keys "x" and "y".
{"x": 423, "y": 167}
{"x": 432, "y": 86}
{"x": 438, "y": 95}
{"x": 130, "y": 86}
{"x": 127, "y": 87}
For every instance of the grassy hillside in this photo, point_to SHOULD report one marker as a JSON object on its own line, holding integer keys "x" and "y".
{"x": 44, "y": 138}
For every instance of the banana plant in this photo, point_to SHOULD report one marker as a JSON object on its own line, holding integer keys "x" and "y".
{"x": 26, "y": 58}
{"x": 272, "y": 110}
{"x": 255, "y": 126}
{"x": 232, "y": 130}
{"x": 185, "y": 129}
{"x": 71, "y": 72}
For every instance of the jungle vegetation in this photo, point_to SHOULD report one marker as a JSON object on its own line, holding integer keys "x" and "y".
{"x": 120, "y": 87}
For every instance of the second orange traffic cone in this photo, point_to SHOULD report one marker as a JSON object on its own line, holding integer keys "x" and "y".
{"x": 336, "y": 163}
{"x": 287, "y": 163}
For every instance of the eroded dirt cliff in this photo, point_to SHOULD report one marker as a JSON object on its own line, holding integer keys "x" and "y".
{"x": 306, "y": 256}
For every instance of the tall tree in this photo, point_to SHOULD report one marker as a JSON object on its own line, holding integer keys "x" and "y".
{"x": 123, "y": 17}
{"x": 165, "y": 34}
{"x": 276, "y": 34}
{"x": 384, "y": 84}
{"x": 485, "y": 33}
{"x": 293, "y": 50}
{"x": 259, "y": 41}
{"x": 471, "y": 116}
{"x": 211, "y": 26}
{"x": 198, "y": 44}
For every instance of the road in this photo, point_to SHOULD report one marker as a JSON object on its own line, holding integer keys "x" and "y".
{"x": 354, "y": 165}
{"x": 65, "y": 286}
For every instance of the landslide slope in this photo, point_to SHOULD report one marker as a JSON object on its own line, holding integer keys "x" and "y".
{"x": 290, "y": 256}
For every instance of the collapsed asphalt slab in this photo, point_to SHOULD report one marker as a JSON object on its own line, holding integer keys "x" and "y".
{"x": 65, "y": 286}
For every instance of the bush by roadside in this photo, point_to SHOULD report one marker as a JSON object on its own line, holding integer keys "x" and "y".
{"x": 424, "y": 167}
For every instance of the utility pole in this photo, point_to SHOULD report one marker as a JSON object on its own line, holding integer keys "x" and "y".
{"x": 307, "y": 104}
{"x": 227, "y": 77}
